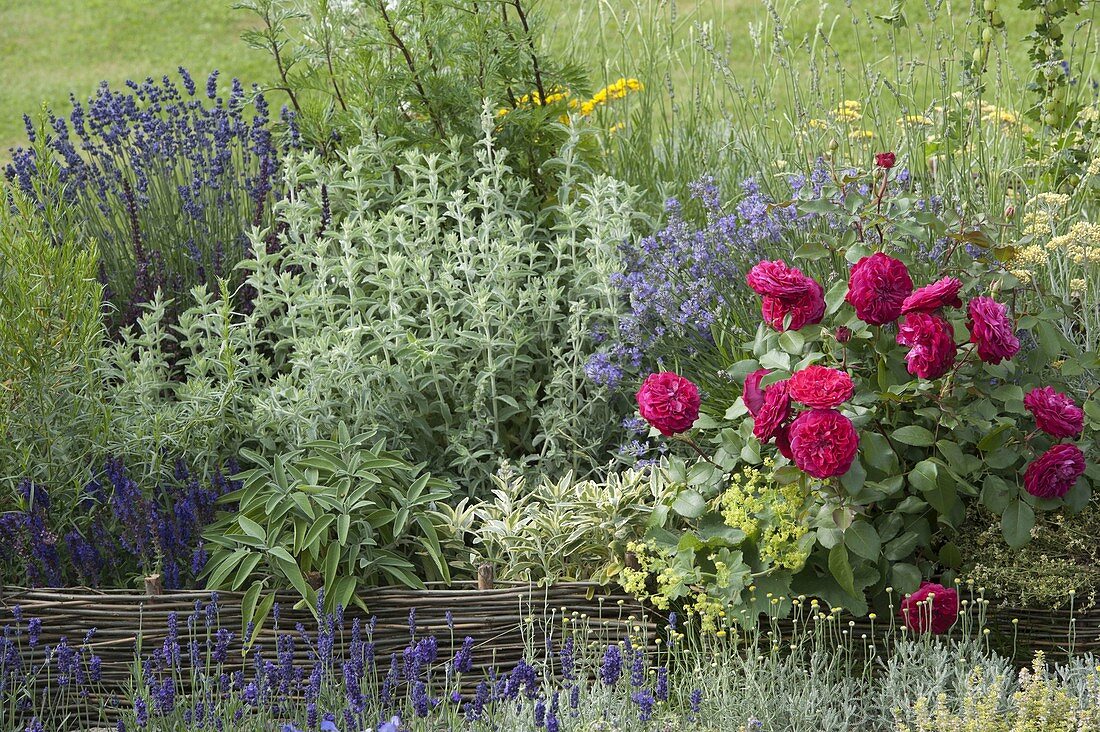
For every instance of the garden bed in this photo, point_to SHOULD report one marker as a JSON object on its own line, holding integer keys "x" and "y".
{"x": 503, "y": 621}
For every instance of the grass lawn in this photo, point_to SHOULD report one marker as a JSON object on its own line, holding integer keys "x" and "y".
{"x": 49, "y": 48}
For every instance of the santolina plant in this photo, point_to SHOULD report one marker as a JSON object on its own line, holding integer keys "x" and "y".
{"x": 887, "y": 404}
{"x": 164, "y": 176}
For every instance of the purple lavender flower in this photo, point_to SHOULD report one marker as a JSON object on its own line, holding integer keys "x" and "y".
{"x": 141, "y": 713}
{"x": 463, "y": 661}
{"x": 645, "y": 701}
{"x": 661, "y": 690}
{"x": 34, "y": 630}
{"x": 612, "y": 667}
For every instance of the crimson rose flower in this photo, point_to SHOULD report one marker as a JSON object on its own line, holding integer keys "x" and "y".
{"x": 931, "y": 341}
{"x": 877, "y": 287}
{"x": 773, "y": 413}
{"x": 823, "y": 442}
{"x": 775, "y": 278}
{"x": 783, "y": 441}
{"x": 752, "y": 394}
{"x": 940, "y": 294}
{"x": 786, "y": 291}
{"x": 932, "y": 607}
{"x": 820, "y": 387}
{"x": 805, "y": 311}
{"x": 1055, "y": 413}
{"x": 1052, "y": 474}
{"x": 885, "y": 160}
{"x": 991, "y": 330}
{"x": 669, "y": 402}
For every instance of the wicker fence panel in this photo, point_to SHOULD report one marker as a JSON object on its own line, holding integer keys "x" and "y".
{"x": 504, "y": 622}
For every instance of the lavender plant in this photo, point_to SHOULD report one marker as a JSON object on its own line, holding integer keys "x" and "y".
{"x": 165, "y": 177}
{"x": 113, "y": 532}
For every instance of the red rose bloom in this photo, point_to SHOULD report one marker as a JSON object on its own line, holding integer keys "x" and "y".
{"x": 1052, "y": 474}
{"x": 786, "y": 291}
{"x": 1055, "y": 413}
{"x": 752, "y": 394}
{"x": 931, "y": 341}
{"x": 821, "y": 387}
{"x": 885, "y": 160}
{"x": 933, "y": 608}
{"x": 877, "y": 287}
{"x": 773, "y": 413}
{"x": 991, "y": 330}
{"x": 783, "y": 441}
{"x": 669, "y": 402}
{"x": 776, "y": 279}
{"x": 823, "y": 442}
{"x": 941, "y": 294}
{"x": 805, "y": 311}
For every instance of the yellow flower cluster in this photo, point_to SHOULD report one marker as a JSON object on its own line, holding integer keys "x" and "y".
{"x": 915, "y": 120}
{"x": 773, "y": 516}
{"x": 1081, "y": 243}
{"x": 615, "y": 90}
{"x": 650, "y": 563}
{"x": 849, "y": 111}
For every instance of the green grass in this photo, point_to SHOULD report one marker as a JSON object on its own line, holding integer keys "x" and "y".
{"x": 49, "y": 48}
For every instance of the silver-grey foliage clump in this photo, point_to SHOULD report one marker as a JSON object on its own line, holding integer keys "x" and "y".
{"x": 430, "y": 297}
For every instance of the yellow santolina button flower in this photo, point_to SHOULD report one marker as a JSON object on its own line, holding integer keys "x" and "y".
{"x": 914, "y": 120}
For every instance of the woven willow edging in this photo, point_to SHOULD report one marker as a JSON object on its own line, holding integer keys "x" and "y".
{"x": 497, "y": 619}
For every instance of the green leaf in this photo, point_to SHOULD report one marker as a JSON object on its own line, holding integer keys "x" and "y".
{"x": 905, "y": 577}
{"x": 834, "y": 298}
{"x": 689, "y": 504}
{"x": 877, "y": 453}
{"x": 914, "y": 435}
{"x": 863, "y": 540}
{"x": 1050, "y": 340}
{"x": 252, "y": 528}
{"x": 997, "y": 493}
{"x": 994, "y": 438}
{"x": 923, "y": 476}
{"x": 811, "y": 250}
{"x": 841, "y": 568}
{"x": 1016, "y": 523}
{"x": 291, "y": 571}
{"x": 902, "y": 547}
{"x": 248, "y": 604}
{"x": 792, "y": 342}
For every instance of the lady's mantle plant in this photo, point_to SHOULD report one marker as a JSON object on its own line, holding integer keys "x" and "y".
{"x": 883, "y": 403}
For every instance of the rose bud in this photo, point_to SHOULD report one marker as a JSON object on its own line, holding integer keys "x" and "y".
{"x": 843, "y": 334}
{"x": 885, "y": 160}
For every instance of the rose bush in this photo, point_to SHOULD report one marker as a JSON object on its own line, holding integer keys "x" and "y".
{"x": 892, "y": 400}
